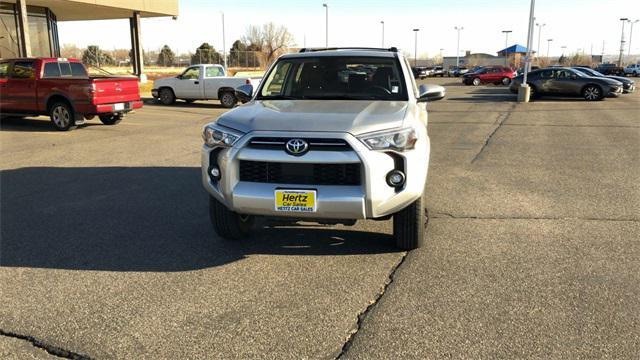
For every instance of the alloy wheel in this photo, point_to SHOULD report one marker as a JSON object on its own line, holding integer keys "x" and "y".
{"x": 61, "y": 116}
{"x": 592, "y": 93}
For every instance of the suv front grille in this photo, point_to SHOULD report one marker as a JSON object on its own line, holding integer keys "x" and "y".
{"x": 315, "y": 144}
{"x": 299, "y": 173}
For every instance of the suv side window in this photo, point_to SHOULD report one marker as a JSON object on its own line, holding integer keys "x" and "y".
{"x": 23, "y": 70}
{"x": 4, "y": 70}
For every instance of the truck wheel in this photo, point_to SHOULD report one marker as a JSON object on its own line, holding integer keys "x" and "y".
{"x": 228, "y": 224}
{"x": 409, "y": 225}
{"x": 62, "y": 116}
{"x": 476, "y": 82}
{"x": 228, "y": 99}
{"x": 167, "y": 97}
{"x": 111, "y": 119}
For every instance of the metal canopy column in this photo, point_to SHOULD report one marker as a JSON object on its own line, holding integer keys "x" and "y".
{"x": 137, "y": 58}
{"x": 25, "y": 41}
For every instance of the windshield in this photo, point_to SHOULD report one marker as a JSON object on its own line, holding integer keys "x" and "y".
{"x": 335, "y": 78}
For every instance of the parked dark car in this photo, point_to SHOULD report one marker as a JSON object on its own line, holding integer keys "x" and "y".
{"x": 628, "y": 85}
{"x": 567, "y": 82}
{"x": 610, "y": 69}
{"x": 489, "y": 75}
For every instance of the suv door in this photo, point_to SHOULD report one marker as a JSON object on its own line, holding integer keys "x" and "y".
{"x": 189, "y": 85}
{"x": 22, "y": 82}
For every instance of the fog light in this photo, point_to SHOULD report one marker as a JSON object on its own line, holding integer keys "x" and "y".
{"x": 395, "y": 178}
{"x": 215, "y": 172}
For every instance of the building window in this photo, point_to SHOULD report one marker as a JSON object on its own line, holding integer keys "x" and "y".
{"x": 9, "y": 43}
{"x": 39, "y": 36}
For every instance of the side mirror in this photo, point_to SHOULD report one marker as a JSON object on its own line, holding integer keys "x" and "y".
{"x": 244, "y": 93}
{"x": 431, "y": 93}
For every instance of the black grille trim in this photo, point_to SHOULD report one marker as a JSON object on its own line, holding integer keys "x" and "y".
{"x": 315, "y": 144}
{"x": 300, "y": 173}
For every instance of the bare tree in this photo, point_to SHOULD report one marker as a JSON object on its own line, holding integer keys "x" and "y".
{"x": 271, "y": 39}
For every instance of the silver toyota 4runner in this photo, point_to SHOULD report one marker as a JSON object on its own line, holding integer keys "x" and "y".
{"x": 331, "y": 135}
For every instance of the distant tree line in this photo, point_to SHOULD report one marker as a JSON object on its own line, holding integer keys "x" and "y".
{"x": 259, "y": 47}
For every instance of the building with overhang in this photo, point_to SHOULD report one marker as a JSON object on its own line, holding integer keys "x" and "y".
{"x": 29, "y": 28}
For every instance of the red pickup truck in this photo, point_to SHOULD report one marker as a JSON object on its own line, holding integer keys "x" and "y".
{"x": 62, "y": 89}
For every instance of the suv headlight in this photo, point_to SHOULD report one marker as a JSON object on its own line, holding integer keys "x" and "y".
{"x": 399, "y": 140}
{"x": 214, "y": 135}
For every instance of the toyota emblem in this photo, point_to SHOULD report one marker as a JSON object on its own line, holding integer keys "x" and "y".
{"x": 297, "y": 147}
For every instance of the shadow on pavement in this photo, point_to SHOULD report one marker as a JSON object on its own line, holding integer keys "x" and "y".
{"x": 36, "y": 124}
{"x": 138, "y": 219}
{"x": 202, "y": 104}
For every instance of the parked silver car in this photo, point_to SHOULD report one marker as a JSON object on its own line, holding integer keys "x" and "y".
{"x": 567, "y": 82}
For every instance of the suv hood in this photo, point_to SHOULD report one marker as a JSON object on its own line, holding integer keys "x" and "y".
{"x": 351, "y": 116}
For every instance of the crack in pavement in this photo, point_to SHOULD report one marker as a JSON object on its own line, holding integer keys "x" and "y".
{"x": 51, "y": 349}
{"x": 499, "y": 121}
{"x": 443, "y": 215}
{"x": 363, "y": 314}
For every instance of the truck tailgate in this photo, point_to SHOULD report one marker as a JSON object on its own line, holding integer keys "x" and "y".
{"x": 109, "y": 90}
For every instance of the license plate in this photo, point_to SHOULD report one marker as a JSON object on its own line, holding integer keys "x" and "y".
{"x": 296, "y": 200}
{"x": 118, "y": 106}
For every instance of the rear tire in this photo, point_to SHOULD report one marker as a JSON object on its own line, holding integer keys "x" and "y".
{"x": 476, "y": 82}
{"x": 409, "y": 225}
{"x": 592, "y": 93}
{"x": 62, "y": 116}
{"x": 166, "y": 96}
{"x": 228, "y": 99}
{"x": 111, "y": 119}
{"x": 228, "y": 224}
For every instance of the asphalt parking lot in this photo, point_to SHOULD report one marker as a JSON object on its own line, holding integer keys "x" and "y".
{"x": 533, "y": 246}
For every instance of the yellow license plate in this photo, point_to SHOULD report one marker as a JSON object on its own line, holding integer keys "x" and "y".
{"x": 296, "y": 200}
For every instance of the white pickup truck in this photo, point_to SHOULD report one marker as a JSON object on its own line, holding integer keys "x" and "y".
{"x": 633, "y": 69}
{"x": 201, "y": 82}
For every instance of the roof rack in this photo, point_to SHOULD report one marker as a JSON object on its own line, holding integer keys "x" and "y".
{"x": 391, "y": 49}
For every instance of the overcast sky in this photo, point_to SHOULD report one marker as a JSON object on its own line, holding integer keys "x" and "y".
{"x": 577, "y": 24}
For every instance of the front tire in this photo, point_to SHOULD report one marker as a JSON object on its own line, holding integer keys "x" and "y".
{"x": 592, "y": 93}
{"x": 228, "y": 224}
{"x": 228, "y": 99}
{"x": 166, "y": 96}
{"x": 409, "y": 225}
{"x": 111, "y": 119}
{"x": 476, "y": 82}
{"x": 506, "y": 81}
{"x": 62, "y": 116}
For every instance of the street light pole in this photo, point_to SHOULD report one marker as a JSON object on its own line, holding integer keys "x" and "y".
{"x": 506, "y": 45}
{"x": 624, "y": 20}
{"x": 539, "y": 35}
{"x": 631, "y": 34}
{"x": 527, "y": 64}
{"x": 382, "y": 22}
{"x": 548, "y": 46}
{"x": 326, "y": 26}
{"x": 458, "y": 47}
{"x": 415, "y": 59}
{"x": 224, "y": 47}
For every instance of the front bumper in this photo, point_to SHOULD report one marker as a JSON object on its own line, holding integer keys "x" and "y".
{"x": 373, "y": 198}
{"x": 615, "y": 91}
{"x": 629, "y": 88}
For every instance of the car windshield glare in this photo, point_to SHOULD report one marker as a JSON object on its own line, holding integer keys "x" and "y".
{"x": 334, "y": 78}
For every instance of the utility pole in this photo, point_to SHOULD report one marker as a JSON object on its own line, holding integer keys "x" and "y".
{"x": 224, "y": 47}
{"x": 540, "y": 26}
{"x": 506, "y": 45}
{"x": 524, "y": 92}
{"x": 458, "y": 47}
{"x": 624, "y": 20}
{"x": 415, "y": 59}
{"x": 326, "y": 26}
{"x": 548, "y": 46}
{"x": 382, "y": 22}
{"x": 631, "y": 34}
